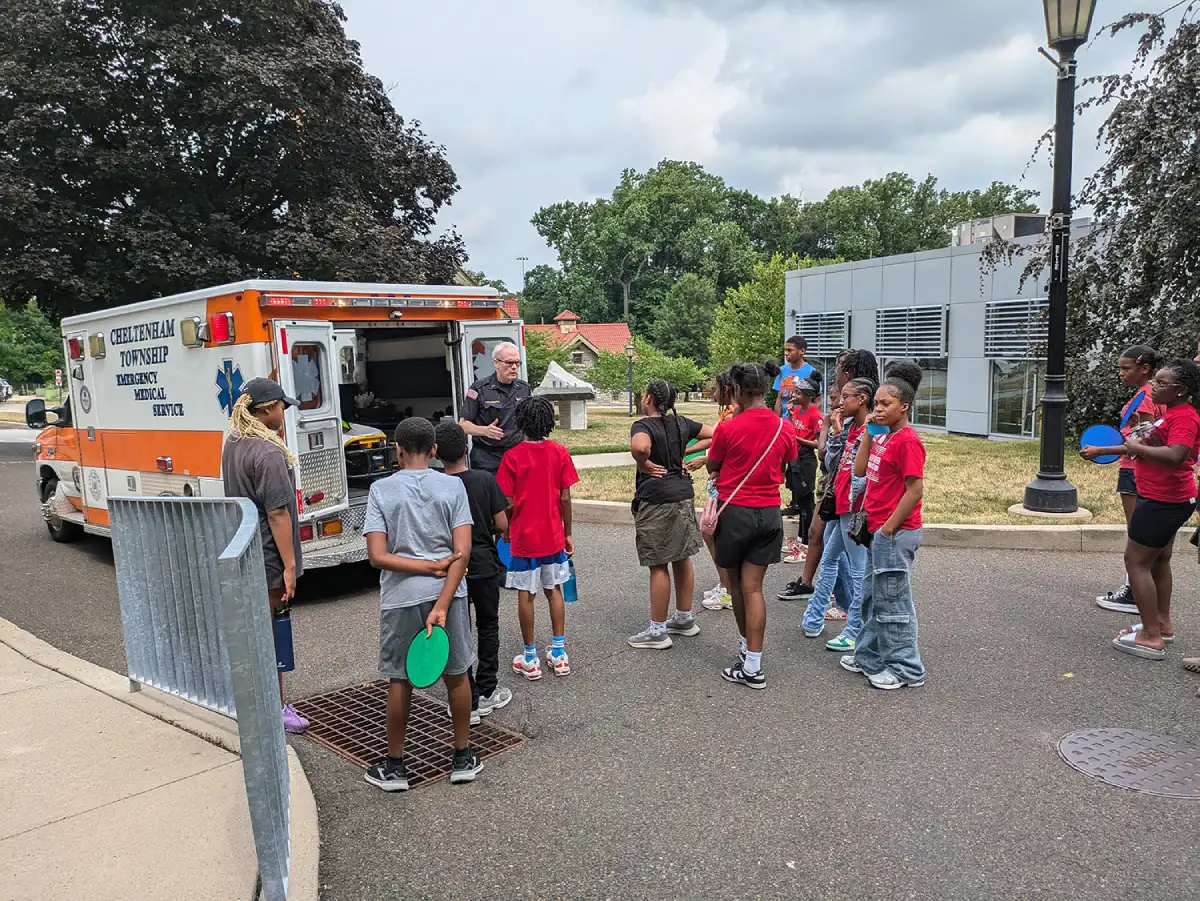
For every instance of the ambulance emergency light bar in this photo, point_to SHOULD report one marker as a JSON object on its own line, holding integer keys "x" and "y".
{"x": 375, "y": 300}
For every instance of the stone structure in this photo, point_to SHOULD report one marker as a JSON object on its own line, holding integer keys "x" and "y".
{"x": 571, "y": 393}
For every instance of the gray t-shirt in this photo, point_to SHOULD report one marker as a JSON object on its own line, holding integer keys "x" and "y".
{"x": 256, "y": 469}
{"x": 418, "y": 510}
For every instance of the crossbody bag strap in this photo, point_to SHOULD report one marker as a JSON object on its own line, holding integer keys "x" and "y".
{"x": 752, "y": 469}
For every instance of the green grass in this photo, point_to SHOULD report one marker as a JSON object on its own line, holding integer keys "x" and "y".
{"x": 967, "y": 480}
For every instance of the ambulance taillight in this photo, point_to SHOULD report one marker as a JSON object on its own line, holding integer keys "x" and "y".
{"x": 306, "y": 532}
{"x": 165, "y": 464}
{"x": 220, "y": 328}
{"x": 75, "y": 348}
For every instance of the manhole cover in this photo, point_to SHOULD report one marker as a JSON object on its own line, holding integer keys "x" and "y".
{"x": 1130, "y": 758}
{"x": 351, "y": 723}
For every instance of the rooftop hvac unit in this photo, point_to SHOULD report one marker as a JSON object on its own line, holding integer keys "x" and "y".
{"x": 1006, "y": 227}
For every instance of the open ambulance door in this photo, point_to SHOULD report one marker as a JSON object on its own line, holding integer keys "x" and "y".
{"x": 306, "y": 362}
{"x": 474, "y": 343}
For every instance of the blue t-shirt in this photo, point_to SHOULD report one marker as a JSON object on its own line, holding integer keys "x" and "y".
{"x": 785, "y": 384}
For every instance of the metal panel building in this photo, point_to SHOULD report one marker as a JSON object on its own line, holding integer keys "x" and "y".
{"x": 978, "y": 336}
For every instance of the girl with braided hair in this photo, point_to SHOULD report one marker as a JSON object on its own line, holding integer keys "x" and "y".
{"x": 536, "y": 476}
{"x": 664, "y": 509}
{"x": 1164, "y": 462}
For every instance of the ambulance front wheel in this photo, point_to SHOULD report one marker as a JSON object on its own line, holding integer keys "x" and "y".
{"x": 59, "y": 529}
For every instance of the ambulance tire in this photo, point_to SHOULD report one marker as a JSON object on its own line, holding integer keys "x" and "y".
{"x": 64, "y": 532}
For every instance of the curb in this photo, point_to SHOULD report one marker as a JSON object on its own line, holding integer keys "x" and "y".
{"x": 204, "y": 724}
{"x": 1080, "y": 539}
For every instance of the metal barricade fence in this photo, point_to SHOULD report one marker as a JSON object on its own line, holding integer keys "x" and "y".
{"x": 197, "y": 625}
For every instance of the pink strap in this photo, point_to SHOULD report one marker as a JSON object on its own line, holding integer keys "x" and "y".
{"x": 750, "y": 472}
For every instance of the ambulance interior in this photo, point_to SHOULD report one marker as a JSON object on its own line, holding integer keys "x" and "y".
{"x": 386, "y": 375}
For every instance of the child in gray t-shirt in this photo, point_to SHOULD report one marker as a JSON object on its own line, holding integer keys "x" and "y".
{"x": 418, "y": 531}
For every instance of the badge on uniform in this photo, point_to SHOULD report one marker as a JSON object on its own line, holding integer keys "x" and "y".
{"x": 473, "y": 394}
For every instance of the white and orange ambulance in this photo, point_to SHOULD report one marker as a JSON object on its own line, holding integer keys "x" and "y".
{"x": 152, "y": 386}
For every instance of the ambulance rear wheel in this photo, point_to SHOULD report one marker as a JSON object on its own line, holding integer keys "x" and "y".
{"x": 59, "y": 529}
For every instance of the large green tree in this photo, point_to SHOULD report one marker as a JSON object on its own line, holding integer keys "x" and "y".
{"x": 611, "y": 371}
{"x": 148, "y": 148}
{"x": 685, "y": 318}
{"x": 30, "y": 345}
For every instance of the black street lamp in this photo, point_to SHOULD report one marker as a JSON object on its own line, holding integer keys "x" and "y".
{"x": 1067, "y": 25}
{"x": 629, "y": 350}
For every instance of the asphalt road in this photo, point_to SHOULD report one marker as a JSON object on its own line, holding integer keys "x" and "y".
{"x": 647, "y": 777}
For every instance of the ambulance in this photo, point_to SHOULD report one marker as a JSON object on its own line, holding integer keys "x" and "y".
{"x": 152, "y": 386}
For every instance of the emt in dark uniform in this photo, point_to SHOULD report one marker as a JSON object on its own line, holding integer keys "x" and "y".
{"x": 489, "y": 412}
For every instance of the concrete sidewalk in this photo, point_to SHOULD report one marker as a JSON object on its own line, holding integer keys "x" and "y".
{"x": 102, "y": 801}
{"x": 596, "y": 461}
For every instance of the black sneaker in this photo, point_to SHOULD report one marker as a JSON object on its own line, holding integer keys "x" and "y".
{"x": 1120, "y": 601}
{"x": 789, "y": 510}
{"x": 388, "y": 774}
{"x": 466, "y": 766}
{"x": 795, "y": 591}
{"x": 737, "y": 674}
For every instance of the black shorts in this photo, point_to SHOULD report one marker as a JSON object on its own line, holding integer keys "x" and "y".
{"x": 1126, "y": 483}
{"x": 748, "y": 535}
{"x": 1154, "y": 523}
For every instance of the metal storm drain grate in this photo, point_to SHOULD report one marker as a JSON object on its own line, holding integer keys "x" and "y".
{"x": 351, "y": 723}
{"x": 1130, "y": 758}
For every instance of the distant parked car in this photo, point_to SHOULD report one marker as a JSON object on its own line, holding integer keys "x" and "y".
{"x": 6, "y": 391}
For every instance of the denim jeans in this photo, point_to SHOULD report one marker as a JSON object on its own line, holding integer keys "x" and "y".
{"x": 889, "y": 635}
{"x": 843, "y": 564}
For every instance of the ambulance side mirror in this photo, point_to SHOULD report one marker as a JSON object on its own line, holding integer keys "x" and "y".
{"x": 35, "y": 413}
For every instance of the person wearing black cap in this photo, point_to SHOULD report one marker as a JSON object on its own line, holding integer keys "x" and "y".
{"x": 256, "y": 464}
{"x": 490, "y": 408}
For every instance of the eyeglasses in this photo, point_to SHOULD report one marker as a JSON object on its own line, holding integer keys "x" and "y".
{"x": 508, "y": 362}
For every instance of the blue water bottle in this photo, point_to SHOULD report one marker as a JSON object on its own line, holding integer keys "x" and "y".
{"x": 571, "y": 588}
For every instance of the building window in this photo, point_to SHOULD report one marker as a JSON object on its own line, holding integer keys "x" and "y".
{"x": 1016, "y": 394}
{"x": 929, "y": 408}
{"x": 577, "y": 357}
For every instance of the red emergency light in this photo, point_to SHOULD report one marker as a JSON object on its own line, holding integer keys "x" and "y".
{"x": 75, "y": 348}
{"x": 220, "y": 328}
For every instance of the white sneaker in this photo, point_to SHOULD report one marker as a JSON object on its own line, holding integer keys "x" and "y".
{"x": 714, "y": 591}
{"x": 719, "y": 601}
{"x": 497, "y": 699}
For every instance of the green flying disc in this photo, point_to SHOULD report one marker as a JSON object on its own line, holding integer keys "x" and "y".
{"x": 427, "y": 657}
{"x": 690, "y": 457}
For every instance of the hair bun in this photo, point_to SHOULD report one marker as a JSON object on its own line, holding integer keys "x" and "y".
{"x": 906, "y": 371}
{"x": 772, "y": 368}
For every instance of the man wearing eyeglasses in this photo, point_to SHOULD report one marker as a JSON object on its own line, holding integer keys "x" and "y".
{"x": 489, "y": 412}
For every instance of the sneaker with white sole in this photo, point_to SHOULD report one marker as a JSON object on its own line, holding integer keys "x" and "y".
{"x": 722, "y": 600}
{"x": 559, "y": 664}
{"x": 530, "y": 669}
{"x": 795, "y": 591}
{"x": 389, "y": 775}
{"x": 795, "y": 552}
{"x": 651, "y": 641}
{"x": 815, "y": 633}
{"x": 889, "y": 681}
{"x": 499, "y": 698}
{"x": 686, "y": 626}
{"x": 465, "y": 767}
{"x": 847, "y": 663}
{"x": 1119, "y": 601}
{"x": 738, "y": 676}
{"x": 841, "y": 643}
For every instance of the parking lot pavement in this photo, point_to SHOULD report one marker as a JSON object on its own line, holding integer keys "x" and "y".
{"x": 646, "y": 776}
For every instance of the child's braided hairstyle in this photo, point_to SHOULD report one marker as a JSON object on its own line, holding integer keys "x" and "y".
{"x": 535, "y": 417}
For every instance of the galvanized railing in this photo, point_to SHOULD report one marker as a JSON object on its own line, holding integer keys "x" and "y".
{"x": 197, "y": 625}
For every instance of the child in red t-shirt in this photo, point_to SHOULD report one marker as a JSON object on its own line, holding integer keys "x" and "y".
{"x": 1136, "y": 366}
{"x": 1164, "y": 460}
{"x": 536, "y": 476}
{"x": 894, "y": 463}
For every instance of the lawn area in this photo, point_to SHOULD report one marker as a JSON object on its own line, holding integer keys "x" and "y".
{"x": 608, "y": 428}
{"x": 967, "y": 480}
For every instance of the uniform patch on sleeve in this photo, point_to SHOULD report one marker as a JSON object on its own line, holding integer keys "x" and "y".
{"x": 473, "y": 394}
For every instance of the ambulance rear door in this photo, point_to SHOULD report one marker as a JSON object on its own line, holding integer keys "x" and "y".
{"x": 92, "y": 484}
{"x": 474, "y": 343}
{"x": 307, "y": 366}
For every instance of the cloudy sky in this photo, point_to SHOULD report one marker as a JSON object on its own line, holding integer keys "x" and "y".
{"x": 538, "y": 101}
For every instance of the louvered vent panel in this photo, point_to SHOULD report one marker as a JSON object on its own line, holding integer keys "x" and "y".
{"x": 827, "y": 334}
{"x": 910, "y": 332}
{"x": 1015, "y": 329}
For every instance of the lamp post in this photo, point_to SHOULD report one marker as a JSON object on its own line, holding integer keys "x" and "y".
{"x": 1067, "y": 25}
{"x": 629, "y": 356}
{"x": 523, "y": 261}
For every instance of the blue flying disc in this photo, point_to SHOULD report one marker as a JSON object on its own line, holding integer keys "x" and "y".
{"x": 1102, "y": 436}
{"x": 875, "y": 429}
{"x": 505, "y": 551}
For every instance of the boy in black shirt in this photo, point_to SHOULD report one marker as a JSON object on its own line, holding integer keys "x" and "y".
{"x": 484, "y": 572}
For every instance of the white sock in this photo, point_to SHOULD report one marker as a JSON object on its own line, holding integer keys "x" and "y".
{"x": 683, "y": 615}
{"x": 657, "y": 628}
{"x": 753, "y": 662}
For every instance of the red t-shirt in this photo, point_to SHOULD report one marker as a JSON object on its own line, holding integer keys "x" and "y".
{"x": 808, "y": 422}
{"x": 1147, "y": 407}
{"x": 738, "y": 443}
{"x": 1171, "y": 484}
{"x": 533, "y": 474}
{"x": 895, "y": 457}
{"x": 842, "y": 479}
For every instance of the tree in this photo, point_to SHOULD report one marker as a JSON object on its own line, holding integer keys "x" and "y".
{"x": 30, "y": 345}
{"x": 481, "y": 279}
{"x": 540, "y": 352}
{"x": 750, "y": 322}
{"x": 611, "y": 371}
{"x": 685, "y": 318}
{"x": 147, "y": 149}
{"x": 541, "y": 299}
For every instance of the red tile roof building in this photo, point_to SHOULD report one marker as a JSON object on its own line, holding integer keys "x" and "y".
{"x": 585, "y": 340}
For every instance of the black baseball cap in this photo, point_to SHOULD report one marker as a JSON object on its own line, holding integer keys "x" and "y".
{"x": 267, "y": 391}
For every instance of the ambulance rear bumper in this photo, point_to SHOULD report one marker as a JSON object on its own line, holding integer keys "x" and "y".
{"x": 349, "y": 547}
